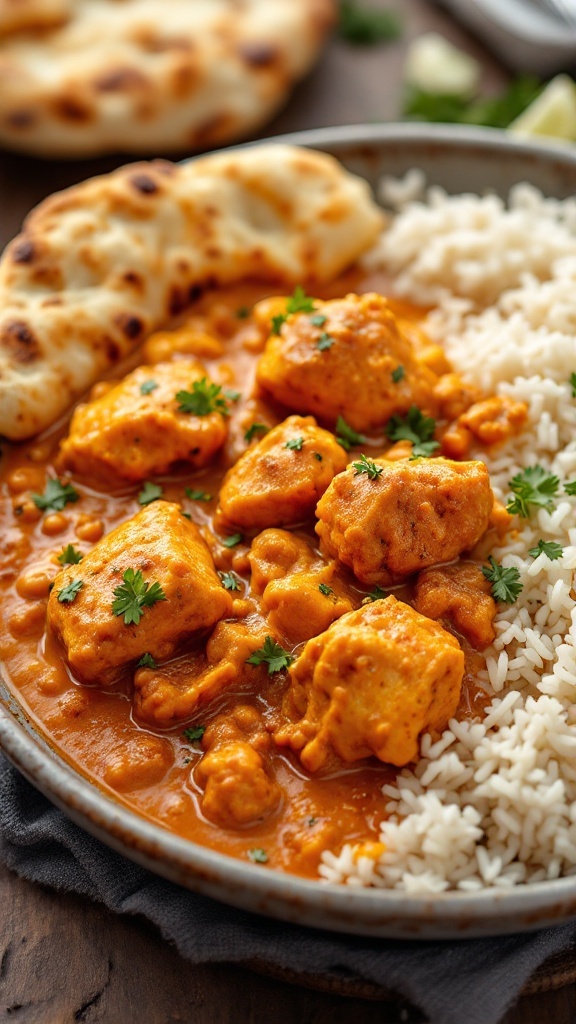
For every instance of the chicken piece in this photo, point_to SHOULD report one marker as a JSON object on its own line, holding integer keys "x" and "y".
{"x": 489, "y": 421}
{"x": 176, "y": 692}
{"x": 164, "y": 548}
{"x": 135, "y": 429}
{"x": 414, "y": 514}
{"x": 461, "y": 594}
{"x": 278, "y": 481}
{"x": 345, "y": 365}
{"x": 289, "y": 575}
{"x": 371, "y": 684}
{"x": 455, "y": 396}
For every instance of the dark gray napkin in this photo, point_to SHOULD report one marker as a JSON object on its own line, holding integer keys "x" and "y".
{"x": 484, "y": 976}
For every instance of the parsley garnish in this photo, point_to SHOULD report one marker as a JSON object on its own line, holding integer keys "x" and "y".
{"x": 369, "y": 467}
{"x": 231, "y": 542}
{"x": 398, "y": 374}
{"x": 364, "y": 26}
{"x": 295, "y": 444}
{"x": 317, "y": 456}
{"x": 185, "y": 514}
{"x": 232, "y": 396}
{"x": 324, "y": 342}
{"x": 195, "y": 733}
{"x": 570, "y": 487}
{"x": 56, "y": 496}
{"x": 272, "y": 655}
{"x": 550, "y": 548}
{"x": 505, "y": 582}
{"x": 298, "y": 302}
{"x": 243, "y": 313}
{"x": 312, "y": 821}
{"x": 375, "y": 595}
{"x": 492, "y": 111}
{"x": 325, "y": 589}
{"x": 149, "y": 493}
{"x": 70, "y": 556}
{"x": 318, "y": 320}
{"x": 533, "y": 486}
{"x": 254, "y": 430}
{"x": 346, "y": 436}
{"x": 414, "y": 427}
{"x": 197, "y": 495}
{"x": 69, "y": 592}
{"x": 146, "y": 661}
{"x": 573, "y": 384}
{"x": 203, "y": 399}
{"x": 147, "y": 386}
{"x": 134, "y": 595}
{"x": 258, "y": 856}
{"x": 230, "y": 581}
{"x": 277, "y": 322}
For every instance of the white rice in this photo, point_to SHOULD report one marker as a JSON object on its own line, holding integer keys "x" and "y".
{"x": 493, "y": 802}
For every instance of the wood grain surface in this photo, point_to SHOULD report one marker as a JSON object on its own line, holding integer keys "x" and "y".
{"x": 65, "y": 960}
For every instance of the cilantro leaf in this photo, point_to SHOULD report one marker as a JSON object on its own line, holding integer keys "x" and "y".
{"x": 318, "y": 320}
{"x": 203, "y": 399}
{"x": 570, "y": 487}
{"x": 272, "y": 655}
{"x": 258, "y": 856}
{"x": 231, "y": 542}
{"x": 230, "y": 581}
{"x": 70, "y": 556}
{"x": 375, "y": 595}
{"x": 325, "y": 342}
{"x": 364, "y": 26}
{"x": 325, "y": 589}
{"x": 299, "y": 302}
{"x": 295, "y": 444}
{"x": 277, "y": 321}
{"x": 398, "y": 374}
{"x": 146, "y": 661}
{"x": 534, "y": 486}
{"x": 317, "y": 456}
{"x": 232, "y": 396}
{"x": 134, "y": 595}
{"x": 347, "y": 436}
{"x": 56, "y": 496}
{"x": 243, "y": 313}
{"x": 254, "y": 429}
{"x": 550, "y": 548}
{"x": 369, "y": 467}
{"x": 147, "y": 387}
{"x": 69, "y": 592}
{"x": 194, "y": 733}
{"x": 572, "y": 383}
{"x": 493, "y": 111}
{"x": 414, "y": 427}
{"x": 149, "y": 493}
{"x": 505, "y": 582}
{"x": 197, "y": 495}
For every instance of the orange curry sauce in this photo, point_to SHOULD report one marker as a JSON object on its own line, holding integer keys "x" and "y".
{"x": 93, "y": 728}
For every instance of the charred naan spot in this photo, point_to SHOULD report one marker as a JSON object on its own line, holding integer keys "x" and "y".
{"x": 177, "y": 301}
{"x": 21, "y": 118}
{"x": 144, "y": 183}
{"x": 23, "y": 251}
{"x": 196, "y": 292}
{"x": 22, "y": 344}
{"x": 68, "y": 109}
{"x": 121, "y": 79}
{"x": 131, "y": 326}
{"x": 112, "y": 350}
{"x": 213, "y": 130}
{"x": 134, "y": 280}
{"x": 258, "y": 55}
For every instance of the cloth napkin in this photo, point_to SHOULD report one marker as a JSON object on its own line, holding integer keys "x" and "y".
{"x": 483, "y": 975}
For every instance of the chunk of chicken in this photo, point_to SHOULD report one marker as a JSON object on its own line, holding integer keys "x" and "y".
{"x": 135, "y": 428}
{"x": 346, "y": 365}
{"x": 371, "y": 683}
{"x": 278, "y": 481}
{"x": 165, "y": 548}
{"x": 461, "y": 594}
{"x": 181, "y": 689}
{"x": 289, "y": 576}
{"x": 414, "y": 514}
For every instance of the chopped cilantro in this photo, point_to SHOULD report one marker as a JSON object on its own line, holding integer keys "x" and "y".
{"x": 243, "y": 313}
{"x": 231, "y": 542}
{"x": 232, "y": 396}
{"x": 570, "y": 487}
{"x": 312, "y": 821}
{"x": 414, "y": 427}
{"x": 258, "y": 856}
{"x": 325, "y": 342}
{"x": 185, "y": 514}
{"x": 325, "y": 589}
{"x": 346, "y": 435}
{"x": 56, "y": 496}
{"x": 272, "y": 655}
{"x": 254, "y": 430}
{"x": 230, "y": 581}
{"x": 492, "y": 111}
{"x": 375, "y": 595}
{"x": 550, "y": 548}
{"x": 149, "y": 493}
{"x": 197, "y": 495}
{"x": 194, "y": 733}
{"x": 533, "y": 486}
{"x": 398, "y": 374}
{"x": 369, "y": 467}
{"x": 277, "y": 322}
{"x": 317, "y": 456}
{"x": 365, "y": 26}
{"x": 69, "y": 592}
{"x": 318, "y": 320}
{"x": 70, "y": 556}
{"x": 505, "y": 582}
{"x": 135, "y": 594}
{"x": 295, "y": 444}
{"x": 147, "y": 387}
{"x": 203, "y": 399}
{"x": 146, "y": 661}
{"x": 299, "y": 302}
{"x": 573, "y": 384}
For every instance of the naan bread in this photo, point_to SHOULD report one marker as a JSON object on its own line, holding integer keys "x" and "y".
{"x": 134, "y": 76}
{"x": 19, "y": 15}
{"x": 99, "y": 266}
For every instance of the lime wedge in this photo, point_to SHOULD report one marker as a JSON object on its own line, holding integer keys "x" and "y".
{"x": 436, "y": 66}
{"x": 552, "y": 114}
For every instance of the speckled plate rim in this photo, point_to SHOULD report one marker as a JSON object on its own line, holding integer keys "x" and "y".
{"x": 369, "y": 912}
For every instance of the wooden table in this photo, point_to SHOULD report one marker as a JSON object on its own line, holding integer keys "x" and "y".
{"x": 64, "y": 959}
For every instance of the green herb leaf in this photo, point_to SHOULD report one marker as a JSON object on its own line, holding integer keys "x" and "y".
{"x": 258, "y": 856}
{"x": 56, "y": 496}
{"x": 414, "y": 427}
{"x": 203, "y": 399}
{"x": 194, "y": 733}
{"x": 146, "y": 661}
{"x": 375, "y": 595}
{"x": 134, "y": 595}
{"x": 311, "y": 821}
{"x": 318, "y": 320}
{"x": 149, "y": 493}
{"x": 70, "y": 556}
{"x": 243, "y": 313}
{"x": 147, "y": 387}
{"x": 299, "y": 302}
{"x": 493, "y": 111}
{"x": 317, "y": 456}
{"x": 272, "y": 655}
{"x": 570, "y": 487}
{"x": 185, "y": 514}
{"x": 295, "y": 444}
{"x": 369, "y": 467}
{"x": 69, "y": 592}
{"x": 231, "y": 542}
{"x": 398, "y": 374}
{"x": 197, "y": 495}
{"x": 230, "y": 581}
{"x": 550, "y": 548}
{"x": 534, "y": 486}
{"x": 505, "y": 582}
{"x": 325, "y": 589}
{"x": 232, "y": 396}
{"x": 254, "y": 430}
{"x": 324, "y": 342}
{"x": 346, "y": 436}
{"x": 277, "y": 321}
{"x": 365, "y": 26}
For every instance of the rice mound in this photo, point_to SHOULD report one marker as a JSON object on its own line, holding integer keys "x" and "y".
{"x": 493, "y": 802}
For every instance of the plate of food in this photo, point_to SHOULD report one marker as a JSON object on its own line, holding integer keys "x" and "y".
{"x": 289, "y": 520}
